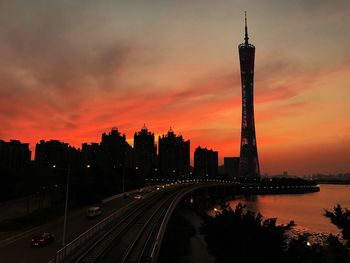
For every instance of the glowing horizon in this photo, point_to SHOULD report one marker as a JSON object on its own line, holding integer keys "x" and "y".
{"x": 73, "y": 70}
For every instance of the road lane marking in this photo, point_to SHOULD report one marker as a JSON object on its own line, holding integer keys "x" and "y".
{"x": 7, "y": 241}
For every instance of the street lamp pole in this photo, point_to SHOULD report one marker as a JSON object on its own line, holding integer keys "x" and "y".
{"x": 65, "y": 210}
{"x": 123, "y": 179}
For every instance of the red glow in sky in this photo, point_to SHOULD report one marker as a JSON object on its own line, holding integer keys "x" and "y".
{"x": 71, "y": 70}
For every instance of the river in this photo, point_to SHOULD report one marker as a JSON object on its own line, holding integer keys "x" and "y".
{"x": 305, "y": 209}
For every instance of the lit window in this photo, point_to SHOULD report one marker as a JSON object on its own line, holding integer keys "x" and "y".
{"x": 244, "y": 141}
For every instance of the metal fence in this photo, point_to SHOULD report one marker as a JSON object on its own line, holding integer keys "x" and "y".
{"x": 72, "y": 246}
{"x": 68, "y": 249}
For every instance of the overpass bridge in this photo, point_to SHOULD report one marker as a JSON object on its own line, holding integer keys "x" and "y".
{"x": 134, "y": 232}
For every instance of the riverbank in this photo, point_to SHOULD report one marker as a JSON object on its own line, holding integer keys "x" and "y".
{"x": 306, "y": 209}
{"x": 341, "y": 182}
{"x": 272, "y": 189}
{"x": 182, "y": 242}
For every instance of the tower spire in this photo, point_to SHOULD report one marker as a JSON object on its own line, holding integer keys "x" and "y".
{"x": 246, "y": 28}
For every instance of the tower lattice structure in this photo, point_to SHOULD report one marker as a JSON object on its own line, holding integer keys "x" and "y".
{"x": 248, "y": 162}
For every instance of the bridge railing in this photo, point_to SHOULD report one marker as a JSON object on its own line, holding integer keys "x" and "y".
{"x": 67, "y": 250}
{"x": 72, "y": 246}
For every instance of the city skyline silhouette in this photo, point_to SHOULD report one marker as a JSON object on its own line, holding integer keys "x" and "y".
{"x": 71, "y": 75}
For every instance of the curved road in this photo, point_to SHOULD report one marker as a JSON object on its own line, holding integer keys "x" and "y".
{"x": 134, "y": 235}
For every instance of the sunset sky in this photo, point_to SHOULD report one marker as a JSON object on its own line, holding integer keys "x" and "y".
{"x": 71, "y": 70}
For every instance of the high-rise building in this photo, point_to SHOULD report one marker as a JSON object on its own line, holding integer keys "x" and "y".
{"x": 89, "y": 153}
{"x": 205, "y": 162}
{"x": 248, "y": 162}
{"x": 114, "y": 150}
{"x": 231, "y": 165}
{"x": 174, "y": 155}
{"x": 14, "y": 154}
{"x": 145, "y": 152}
{"x": 54, "y": 152}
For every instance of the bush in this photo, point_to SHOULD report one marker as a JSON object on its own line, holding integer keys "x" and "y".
{"x": 341, "y": 218}
{"x": 242, "y": 236}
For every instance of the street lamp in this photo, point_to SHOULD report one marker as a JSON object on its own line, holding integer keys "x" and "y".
{"x": 65, "y": 209}
{"x": 66, "y": 206}
{"x": 123, "y": 177}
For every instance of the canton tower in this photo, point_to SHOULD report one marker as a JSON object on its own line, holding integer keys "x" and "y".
{"x": 248, "y": 161}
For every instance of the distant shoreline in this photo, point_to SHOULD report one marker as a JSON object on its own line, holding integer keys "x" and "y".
{"x": 333, "y": 182}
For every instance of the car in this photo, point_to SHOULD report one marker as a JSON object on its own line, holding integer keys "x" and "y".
{"x": 138, "y": 196}
{"x": 42, "y": 239}
{"x": 93, "y": 211}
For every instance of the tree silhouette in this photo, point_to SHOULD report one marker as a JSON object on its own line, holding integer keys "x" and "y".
{"x": 300, "y": 250}
{"x": 341, "y": 218}
{"x": 237, "y": 235}
{"x": 244, "y": 236}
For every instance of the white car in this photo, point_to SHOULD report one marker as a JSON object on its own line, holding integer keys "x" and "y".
{"x": 93, "y": 211}
{"x": 138, "y": 196}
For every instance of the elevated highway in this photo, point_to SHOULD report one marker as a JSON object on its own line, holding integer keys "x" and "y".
{"x": 134, "y": 232}
{"x": 130, "y": 230}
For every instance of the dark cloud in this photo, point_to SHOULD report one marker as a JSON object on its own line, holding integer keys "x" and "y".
{"x": 50, "y": 44}
{"x": 51, "y": 64}
{"x": 71, "y": 69}
{"x": 213, "y": 85}
{"x": 280, "y": 77}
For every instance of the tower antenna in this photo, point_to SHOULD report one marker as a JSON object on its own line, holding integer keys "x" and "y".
{"x": 246, "y": 28}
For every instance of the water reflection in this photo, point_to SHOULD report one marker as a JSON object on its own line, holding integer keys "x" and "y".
{"x": 250, "y": 201}
{"x": 305, "y": 209}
